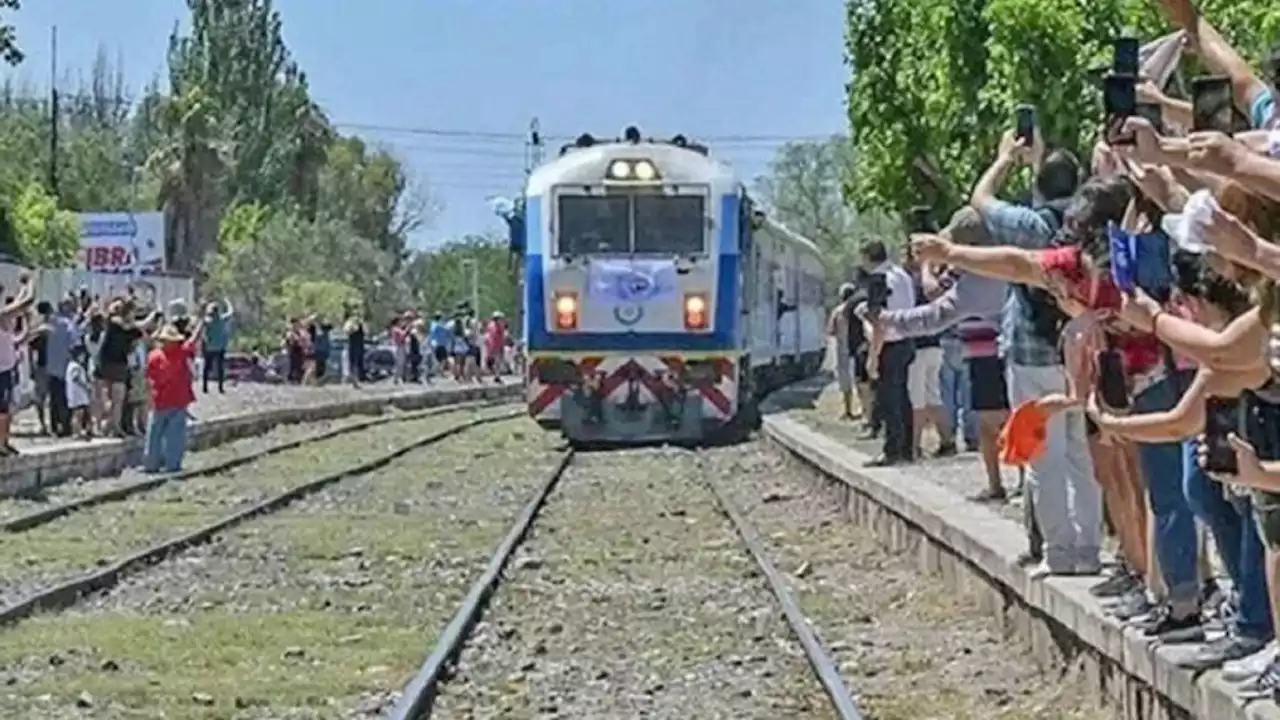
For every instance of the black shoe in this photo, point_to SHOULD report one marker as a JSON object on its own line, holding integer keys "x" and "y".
{"x": 1118, "y": 585}
{"x": 1028, "y": 558}
{"x": 945, "y": 450}
{"x": 989, "y": 495}
{"x": 1168, "y": 625}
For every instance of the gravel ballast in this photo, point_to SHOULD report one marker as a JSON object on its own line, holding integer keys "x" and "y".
{"x": 69, "y": 546}
{"x": 323, "y": 610}
{"x": 909, "y": 647}
{"x": 633, "y": 598}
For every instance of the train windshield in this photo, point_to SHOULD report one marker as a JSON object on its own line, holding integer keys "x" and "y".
{"x": 638, "y": 224}
{"x": 594, "y": 225}
{"x": 670, "y": 224}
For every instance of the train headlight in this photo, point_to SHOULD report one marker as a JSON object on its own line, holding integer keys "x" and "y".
{"x": 566, "y": 306}
{"x": 632, "y": 171}
{"x": 695, "y": 311}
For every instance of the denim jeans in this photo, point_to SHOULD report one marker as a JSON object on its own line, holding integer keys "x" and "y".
{"x": 955, "y": 390}
{"x": 1176, "y": 541}
{"x": 166, "y": 440}
{"x": 1230, "y": 519}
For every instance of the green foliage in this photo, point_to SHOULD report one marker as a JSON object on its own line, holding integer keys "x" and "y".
{"x": 299, "y": 297}
{"x": 803, "y": 191}
{"x": 46, "y": 236}
{"x": 9, "y": 51}
{"x": 925, "y": 122}
{"x": 441, "y": 279}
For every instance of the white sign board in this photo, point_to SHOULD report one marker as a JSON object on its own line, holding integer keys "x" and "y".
{"x": 122, "y": 242}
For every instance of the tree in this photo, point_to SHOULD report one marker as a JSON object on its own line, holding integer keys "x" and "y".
{"x": 803, "y": 191}
{"x": 9, "y": 51}
{"x": 439, "y": 280}
{"x": 924, "y": 121}
{"x": 46, "y": 236}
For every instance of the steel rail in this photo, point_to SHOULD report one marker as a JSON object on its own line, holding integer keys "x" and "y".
{"x": 44, "y": 516}
{"x": 820, "y": 660}
{"x": 69, "y": 592}
{"x": 418, "y": 697}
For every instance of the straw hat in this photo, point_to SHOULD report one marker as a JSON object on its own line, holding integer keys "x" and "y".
{"x": 169, "y": 333}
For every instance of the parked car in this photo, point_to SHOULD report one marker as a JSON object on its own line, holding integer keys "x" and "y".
{"x": 242, "y": 367}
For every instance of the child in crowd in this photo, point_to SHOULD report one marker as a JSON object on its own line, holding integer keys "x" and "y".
{"x": 79, "y": 391}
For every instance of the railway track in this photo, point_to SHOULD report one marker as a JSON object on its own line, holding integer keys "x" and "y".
{"x": 55, "y": 556}
{"x": 574, "y": 565}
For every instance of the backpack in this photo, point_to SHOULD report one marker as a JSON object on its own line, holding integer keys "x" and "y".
{"x": 1039, "y": 308}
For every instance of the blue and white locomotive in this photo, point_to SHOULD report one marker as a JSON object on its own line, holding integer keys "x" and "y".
{"x": 659, "y": 302}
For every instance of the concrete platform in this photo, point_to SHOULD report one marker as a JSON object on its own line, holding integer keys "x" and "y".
{"x": 919, "y": 508}
{"x": 49, "y": 464}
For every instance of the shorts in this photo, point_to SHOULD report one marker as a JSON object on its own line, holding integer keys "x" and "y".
{"x": 1266, "y": 512}
{"x": 6, "y": 390}
{"x": 138, "y": 390}
{"x": 987, "y": 389}
{"x": 113, "y": 372}
{"x": 844, "y": 371}
{"x": 441, "y": 353}
{"x": 474, "y": 352}
{"x": 924, "y": 378}
{"x": 860, "y": 373}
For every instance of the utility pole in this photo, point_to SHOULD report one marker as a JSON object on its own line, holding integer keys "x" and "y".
{"x": 53, "y": 112}
{"x": 533, "y": 158}
{"x": 533, "y": 148}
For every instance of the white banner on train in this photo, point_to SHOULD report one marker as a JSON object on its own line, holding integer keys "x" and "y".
{"x": 122, "y": 242}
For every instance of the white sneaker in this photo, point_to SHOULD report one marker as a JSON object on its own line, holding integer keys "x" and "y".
{"x": 1246, "y": 668}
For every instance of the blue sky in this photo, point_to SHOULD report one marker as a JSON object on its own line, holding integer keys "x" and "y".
{"x": 749, "y": 72}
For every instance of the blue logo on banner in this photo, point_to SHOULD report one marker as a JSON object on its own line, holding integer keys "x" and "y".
{"x": 628, "y": 314}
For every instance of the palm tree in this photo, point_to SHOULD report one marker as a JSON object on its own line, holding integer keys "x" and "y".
{"x": 190, "y": 165}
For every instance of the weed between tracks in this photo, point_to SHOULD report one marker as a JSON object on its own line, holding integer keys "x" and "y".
{"x": 633, "y": 598}
{"x": 69, "y": 546}
{"x": 12, "y": 507}
{"x": 323, "y": 610}
{"x": 911, "y": 648}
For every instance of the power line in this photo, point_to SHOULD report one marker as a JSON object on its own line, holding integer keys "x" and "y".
{"x": 521, "y": 137}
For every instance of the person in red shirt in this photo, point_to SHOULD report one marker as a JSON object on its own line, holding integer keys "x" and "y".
{"x": 169, "y": 376}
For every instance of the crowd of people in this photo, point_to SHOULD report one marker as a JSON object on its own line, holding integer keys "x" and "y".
{"x": 458, "y": 346}
{"x": 102, "y": 366}
{"x": 1117, "y": 336}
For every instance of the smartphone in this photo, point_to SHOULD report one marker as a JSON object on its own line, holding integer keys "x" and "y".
{"x": 1125, "y": 56}
{"x": 1111, "y": 380}
{"x": 1152, "y": 113}
{"x": 877, "y": 292}
{"x": 920, "y": 219}
{"x": 1120, "y": 101}
{"x": 1221, "y": 419}
{"x": 1212, "y": 104}
{"x": 1026, "y": 124}
{"x": 1124, "y": 262}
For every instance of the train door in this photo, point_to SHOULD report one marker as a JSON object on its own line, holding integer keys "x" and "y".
{"x": 748, "y": 260}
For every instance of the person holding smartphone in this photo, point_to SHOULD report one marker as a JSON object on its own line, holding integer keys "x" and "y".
{"x": 890, "y": 288}
{"x": 1066, "y": 496}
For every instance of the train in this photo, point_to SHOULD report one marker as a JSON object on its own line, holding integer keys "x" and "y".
{"x": 660, "y": 300}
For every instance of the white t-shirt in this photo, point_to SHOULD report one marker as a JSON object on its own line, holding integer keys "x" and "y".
{"x": 77, "y": 386}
